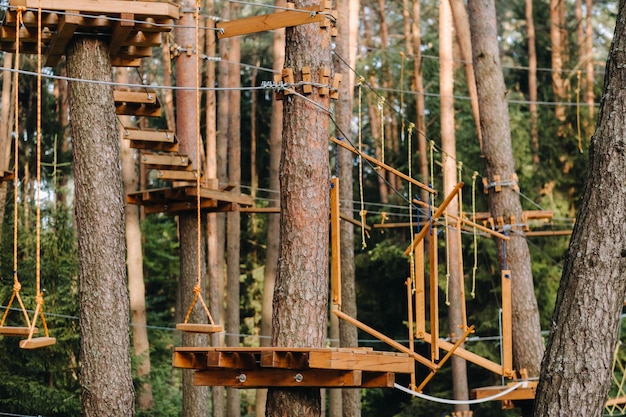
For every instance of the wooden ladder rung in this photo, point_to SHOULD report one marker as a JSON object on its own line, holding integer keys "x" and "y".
{"x": 199, "y": 328}
{"x": 37, "y": 342}
{"x": 172, "y": 175}
{"x": 15, "y": 331}
{"x": 165, "y": 161}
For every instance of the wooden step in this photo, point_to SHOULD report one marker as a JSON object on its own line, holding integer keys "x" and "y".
{"x": 15, "y": 331}
{"x": 174, "y": 175}
{"x": 166, "y": 161}
{"x": 199, "y": 328}
{"x": 137, "y": 103}
{"x": 37, "y": 342}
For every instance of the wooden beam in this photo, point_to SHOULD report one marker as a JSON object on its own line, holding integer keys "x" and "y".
{"x": 434, "y": 295}
{"x": 438, "y": 212}
{"x": 149, "y": 135}
{"x": 371, "y": 361}
{"x": 385, "y": 339}
{"x": 242, "y": 199}
{"x": 546, "y": 233}
{"x": 106, "y": 7}
{"x": 199, "y": 328}
{"x": 335, "y": 243}
{"x": 521, "y": 393}
{"x": 526, "y": 214}
{"x": 355, "y": 222}
{"x": 174, "y": 175}
{"x": 420, "y": 300}
{"x": 37, "y": 342}
{"x": 262, "y": 23}
{"x": 64, "y": 33}
{"x": 274, "y": 377}
{"x": 383, "y": 165}
{"x": 163, "y": 161}
{"x": 507, "y": 323}
{"x": 120, "y": 31}
{"x": 15, "y": 331}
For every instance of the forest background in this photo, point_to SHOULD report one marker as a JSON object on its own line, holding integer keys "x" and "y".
{"x": 552, "y": 120}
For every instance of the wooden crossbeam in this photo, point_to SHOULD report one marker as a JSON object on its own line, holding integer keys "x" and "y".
{"x": 67, "y": 26}
{"x": 120, "y": 31}
{"x": 164, "y": 161}
{"x": 106, "y": 7}
{"x": 231, "y": 197}
{"x": 521, "y": 393}
{"x": 149, "y": 135}
{"x": 174, "y": 175}
{"x": 282, "y": 19}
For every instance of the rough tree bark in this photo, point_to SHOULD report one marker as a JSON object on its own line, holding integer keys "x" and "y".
{"x": 346, "y": 48}
{"x": 273, "y": 222}
{"x": 107, "y": 388}
{"x": 195, "y": 399}
{"x": 527, "y": 344}
{"x": 301, "y": 293}
{"x": 576, "y": 371}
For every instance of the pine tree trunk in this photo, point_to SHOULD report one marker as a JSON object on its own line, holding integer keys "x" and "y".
{"x": 532, "y": 82}
{"x": 301, "y": 293}
{"x": 107, "y": 388}
{"x": 273, "y": 222}
{"x": 514, "y": 255}
{"x": 6, "y": 126}
{"x": 556, "y": 45}
{"x": 346, "y": 48}
{"x": 134, "y": 262}
{"x": 590, "y": 97}
{"x": 577, "y": 369}
{"x": 195, "y": 399}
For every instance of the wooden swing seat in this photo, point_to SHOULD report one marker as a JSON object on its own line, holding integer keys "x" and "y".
{"x": 15, "y": 331}
{"x": 199, "y": 328}
{"x": 37, "y": 342}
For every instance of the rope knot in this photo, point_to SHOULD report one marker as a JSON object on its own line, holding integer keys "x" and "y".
{"x": 39, "y": 299}
{"x": 17, "y": 287}
{"x": 197, "y": 289}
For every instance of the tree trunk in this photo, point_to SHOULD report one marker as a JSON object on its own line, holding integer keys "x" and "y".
{"x": 514, "y": 255}
{"x": 590, "y": 97}
{"x": 134, "y": 263}
{"x": 233, "y": 218}
{"x": 461, "y": 24}
{"x": 532, "y": 82}
{"x": 346, "y": 48}
{"x": 301, "y": 293}
{"x": 577, "y": 368}
{"x": 195, "y": 399}
{"x": 6, "y": 128}
{"x": 556, "y": 45}
{"x": 448, "y": 145}
{"x": 273, "y": 222}
{"x": 107, "y": 388}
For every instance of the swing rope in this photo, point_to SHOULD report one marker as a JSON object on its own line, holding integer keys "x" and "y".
{"x": 411, "y": 255}
{"x": 197, "y": 289}
{"x": 444, "y": 159}
{"x": 17, "y": 286}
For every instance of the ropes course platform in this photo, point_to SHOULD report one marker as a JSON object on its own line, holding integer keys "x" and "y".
{"x": 184, "y": 198}
{"x": 249, "y": 367}
{"x": 133, "y": 28}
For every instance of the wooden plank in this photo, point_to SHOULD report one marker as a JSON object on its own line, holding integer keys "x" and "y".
{"x": 434, "y": 295}
{"x": 378, "y": 380}
{"x": 107, "y": 7}
{"x": 546, "y": 233}
{"x": 521, "y": 393}
{"x": 149, "y": 135}
{"x": 262, "y": 23}
{"x": 64, "y": 33}
{"x": 355, "y": 222}
{"x": 173, "y": 175}
{"x": 209, "y": 193}
{"x": 335, "y": 243}
{"x": 137, "y": 97}
{"x": 470, "y": 356}
{"x": 507, "y": 323}
{"x": 144, "y": 39}
{"x": 37, "y": 342}
{"x": 15, "y": 331}
{"x": 420, "y": 291}
{"x": 199, "y": 328}
{"x": 278, "y": 378}
{"x": 189, "y": 360}
{"x": 120, "y": 31}
{"x": 285, "y": 360}
{"x": 232, "y": 360}
{"x": 397, "y": 363}
{"x": 526, "y": 214}
{"x": 158, "y": 161}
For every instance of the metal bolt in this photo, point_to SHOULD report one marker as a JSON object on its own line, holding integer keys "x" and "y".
{"x": 241, "y": 378}
{"x": 298, "y": 377}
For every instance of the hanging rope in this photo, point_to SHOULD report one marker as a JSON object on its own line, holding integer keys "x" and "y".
{"x": 432, "y": 167}
{"x": 362, "y": 211}
{"x": 410, "y": 161}
{"x": 17, "y": 286}
{"x": 475, "y": 235}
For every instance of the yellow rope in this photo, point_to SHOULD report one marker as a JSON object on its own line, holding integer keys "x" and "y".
{"x": 475, "y": 267}
{"x": 410, "y": 160}
{"x": 381, "y": 108}
{"x": 444, "y": 159}
{"x": 432, "y": 167}
{"x": 459, "y": 166}
{"x": 362, "y": 212}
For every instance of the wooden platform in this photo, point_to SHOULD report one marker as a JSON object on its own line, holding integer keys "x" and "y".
{"x": 133, "y": 28}
{"x": 522, "y": 393}
{"x": 183, "y": 198}
{"x": 245, "y": 367}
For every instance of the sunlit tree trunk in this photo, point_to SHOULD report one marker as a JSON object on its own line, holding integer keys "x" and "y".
{"x": 527, "y": 343}
{"x": 6, "y": 127}
{"x": 576, "y": 372}
{"x": 590, "y": 96}
{"x": 195, "y": 399}
{"x": 532, "y": 81}
{"x": 556, "y": 54}
{"x": 134, "y": 264}
{"x": 301, "y": 292}
{"x": 107, "y": 388}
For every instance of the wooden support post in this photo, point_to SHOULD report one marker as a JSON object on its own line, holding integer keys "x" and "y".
{"x": 335, "y": 233}
{"x": 401, "y": 348}
{"x": 438, "y": 212}
{"x": 409, "y": 296}
{"x": 383, "y": 165}
{"x": 434, "y": 296}
{"x": 420, "y": 303}
{"x": 507, "y": 331}
{"x": 461, "y": 277}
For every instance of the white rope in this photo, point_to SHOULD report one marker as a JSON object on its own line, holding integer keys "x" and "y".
{"x": 461, "y": 402}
